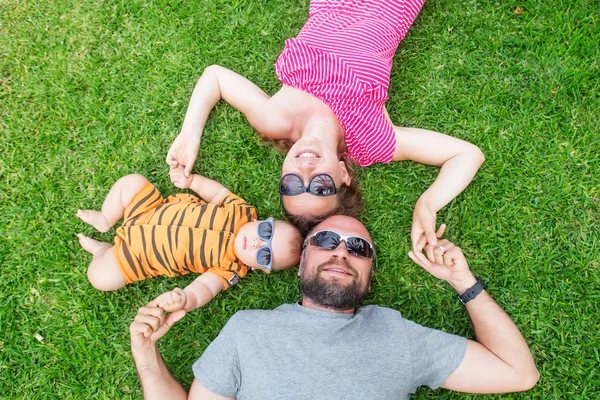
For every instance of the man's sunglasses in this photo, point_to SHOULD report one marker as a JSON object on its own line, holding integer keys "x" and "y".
{"x": 319, "y": 185}
{"x": 264, "y": 256}
{"x": 330, "y": 240}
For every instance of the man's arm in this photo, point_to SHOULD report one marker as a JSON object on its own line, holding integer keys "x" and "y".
{"x": 218, "y": 83}
{"x": 500, "y": 360}
{"x": 149, "y": 325}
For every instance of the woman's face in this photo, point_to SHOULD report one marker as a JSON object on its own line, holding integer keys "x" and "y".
{"x": 307, "y": 158}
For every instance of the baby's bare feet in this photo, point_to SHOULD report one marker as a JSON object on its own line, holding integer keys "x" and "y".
{"x": 90, "y": 245}
{"x": 95, "y": 219}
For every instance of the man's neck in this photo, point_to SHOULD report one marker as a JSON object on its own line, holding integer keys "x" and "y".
{"x": 309, "y": 303}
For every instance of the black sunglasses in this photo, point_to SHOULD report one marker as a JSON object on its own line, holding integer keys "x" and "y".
{"x": 319, "y": 185}
{"x": 264, "y": 254}
{"x": 330, "y": 240}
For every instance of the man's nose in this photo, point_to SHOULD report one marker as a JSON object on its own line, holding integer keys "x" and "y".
{"x": 341, "y": 251}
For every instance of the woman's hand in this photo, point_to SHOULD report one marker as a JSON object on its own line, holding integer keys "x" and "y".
{"x": 179, "y": 179}
{"x": 423, "y": 229}
{"x": 183, "y": 152}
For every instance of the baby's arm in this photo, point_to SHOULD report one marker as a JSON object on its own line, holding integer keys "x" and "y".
{"x": 209, "y": 190}
{"x": 195, "y": 295}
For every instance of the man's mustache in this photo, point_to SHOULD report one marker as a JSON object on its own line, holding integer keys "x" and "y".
{"x": 339, "y": 262}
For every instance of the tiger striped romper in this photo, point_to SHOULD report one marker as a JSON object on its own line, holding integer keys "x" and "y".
{"x": 180, "y": 234}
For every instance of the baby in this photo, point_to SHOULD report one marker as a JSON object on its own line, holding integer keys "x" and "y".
{"x": 217, "y": 236}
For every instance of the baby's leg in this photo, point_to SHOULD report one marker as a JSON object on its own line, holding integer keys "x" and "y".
{"x": 118, "y": 198}
{"x": 103, "y": 272}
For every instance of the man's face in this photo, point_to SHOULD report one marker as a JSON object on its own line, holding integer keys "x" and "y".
{"x": 335, "y": 278}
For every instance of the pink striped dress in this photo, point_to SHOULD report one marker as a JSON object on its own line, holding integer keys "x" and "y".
{"x": 343, "y": 56}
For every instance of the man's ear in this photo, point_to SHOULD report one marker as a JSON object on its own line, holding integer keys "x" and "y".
{"x": 301, "y": 264}
{"x": 346, "y": 179}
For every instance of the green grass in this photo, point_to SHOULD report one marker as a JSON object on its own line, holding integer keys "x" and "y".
{"x": 91, "y": 91}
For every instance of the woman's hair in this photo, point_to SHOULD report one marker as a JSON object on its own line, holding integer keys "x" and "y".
{"x": 349, "y": 203}
{"x": 281, "y": 145}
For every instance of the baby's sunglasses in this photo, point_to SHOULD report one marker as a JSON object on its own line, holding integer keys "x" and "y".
{"x": 319, "y": 185}
{"x": 330, "y": 240}
{"x": 264, "y": 255}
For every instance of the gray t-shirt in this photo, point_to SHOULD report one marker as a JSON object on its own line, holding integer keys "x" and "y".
{"x": 294, "y": 352}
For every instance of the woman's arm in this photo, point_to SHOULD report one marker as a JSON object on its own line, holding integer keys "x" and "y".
{"x": 459, "y": 162}
{"x": 218, "y": 83}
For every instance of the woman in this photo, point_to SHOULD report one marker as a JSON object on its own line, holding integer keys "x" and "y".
{"x": 335, "y": 77}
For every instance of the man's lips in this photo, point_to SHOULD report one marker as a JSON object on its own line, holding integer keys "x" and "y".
{"x": 337, "y": 269}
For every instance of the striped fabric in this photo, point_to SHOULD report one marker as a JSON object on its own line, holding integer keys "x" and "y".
{"x": 180, "y": 234}
{"x": 343, "y": 56}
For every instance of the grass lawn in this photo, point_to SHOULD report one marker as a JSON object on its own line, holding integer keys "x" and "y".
{"x": 94, "y": 90}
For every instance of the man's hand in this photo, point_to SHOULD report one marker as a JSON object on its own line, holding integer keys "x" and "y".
{"x": 447, "y": 262}
{"x": 183, "y": 152}
{"x": 172, "y": 301}
{"x": 179, "y": 179}
{"x": 423, "y": 230}
{"x": 149, "y": 325}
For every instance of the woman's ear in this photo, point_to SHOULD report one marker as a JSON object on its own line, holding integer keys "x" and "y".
{"x": 346, "y": 179}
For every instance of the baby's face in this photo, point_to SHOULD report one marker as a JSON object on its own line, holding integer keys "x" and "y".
{"x": 262, "y": 244}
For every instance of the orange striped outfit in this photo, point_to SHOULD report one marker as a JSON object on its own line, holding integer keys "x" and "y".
{"x": 180, "y": 234}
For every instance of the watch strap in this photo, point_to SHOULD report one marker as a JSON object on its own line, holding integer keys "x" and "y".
{"x": 472, "y": 292}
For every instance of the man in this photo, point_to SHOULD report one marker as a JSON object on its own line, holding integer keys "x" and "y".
{"x": 326, "y": 347}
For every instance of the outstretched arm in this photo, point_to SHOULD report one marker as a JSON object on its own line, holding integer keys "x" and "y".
{"x": 459, "y": 162}
{"x": 217, "y": 83}
{"x": 500, "y": 360}
{"x": 149, "y": 325}
{"x": 209, "y": 190}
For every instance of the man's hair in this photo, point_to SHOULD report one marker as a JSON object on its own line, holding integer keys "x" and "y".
{"x": 349, "y": 203}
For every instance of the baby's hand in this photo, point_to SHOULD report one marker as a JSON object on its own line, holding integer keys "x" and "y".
{"x": 178, "y": 178}
{"x": 172, "y": 301}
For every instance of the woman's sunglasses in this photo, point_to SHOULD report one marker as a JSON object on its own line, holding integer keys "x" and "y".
{"x": 264, "y": 254}
{"x": 330, "y": 240}
{"x": 319, "y": 185}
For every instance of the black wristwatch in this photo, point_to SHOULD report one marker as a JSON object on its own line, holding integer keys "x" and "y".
{"x": 472, "y": 292}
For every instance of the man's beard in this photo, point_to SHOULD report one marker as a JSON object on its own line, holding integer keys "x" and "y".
{"x": 332, "y": 294}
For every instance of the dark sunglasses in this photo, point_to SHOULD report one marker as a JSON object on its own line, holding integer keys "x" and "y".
{"x": 264, "y": 254}
{"x": 330, "y": 240}
{"x": 319, "y": 185}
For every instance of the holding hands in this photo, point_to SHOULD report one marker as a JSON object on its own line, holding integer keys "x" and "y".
{"x": 179, "y": 179}
{"x": 423, "y": 229}
{"x": 172, "y": 301}
{"x": 150, "y": 324}
{"x": 183, "y": 153}
{"x": 447, "y": 262}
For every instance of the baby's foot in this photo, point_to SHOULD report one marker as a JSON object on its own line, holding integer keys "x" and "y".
{"x": 90, "y": 245}
{"x": 95, "y": 219}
